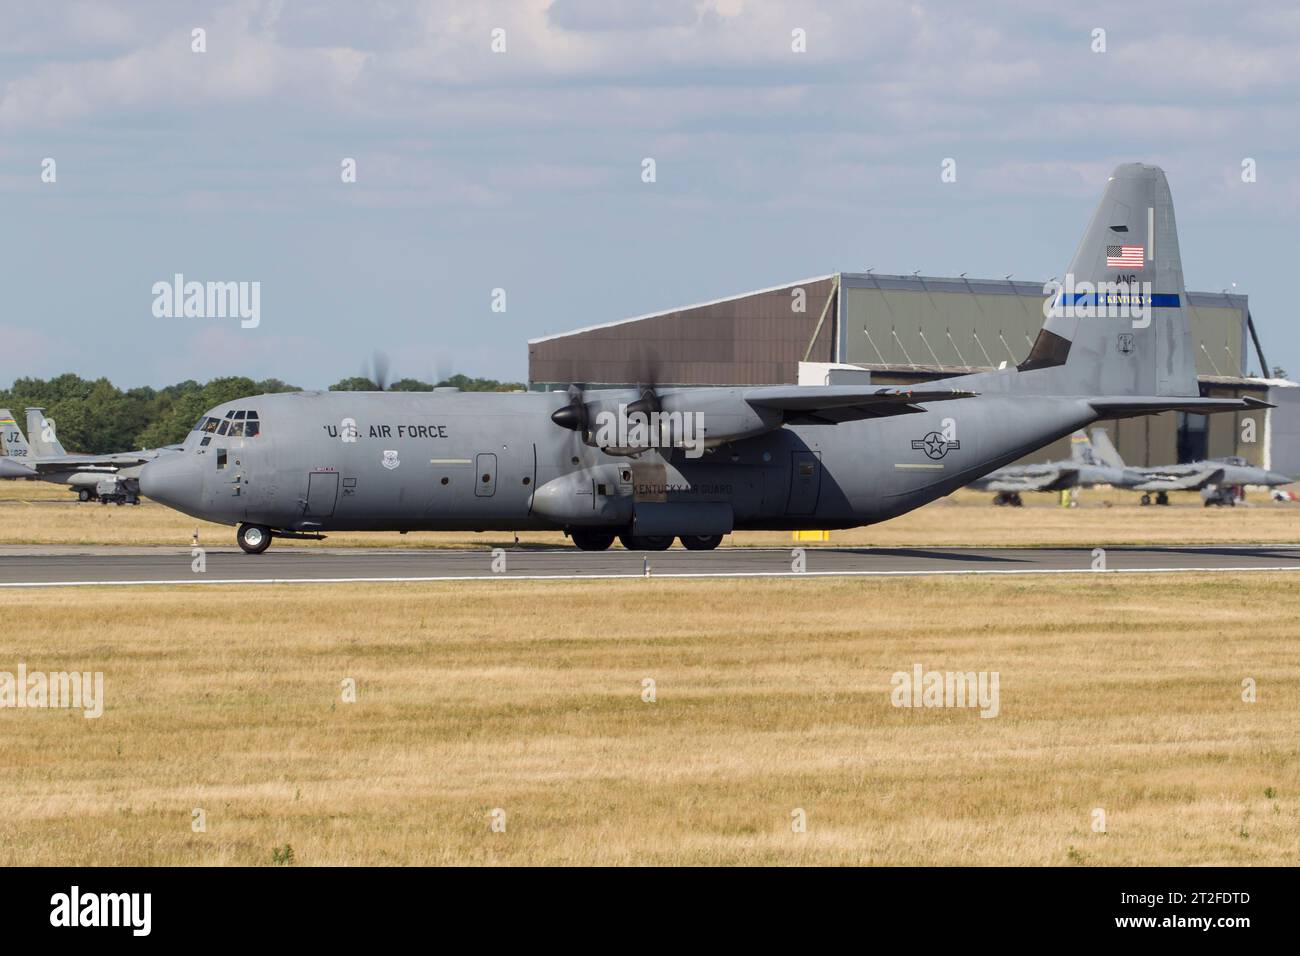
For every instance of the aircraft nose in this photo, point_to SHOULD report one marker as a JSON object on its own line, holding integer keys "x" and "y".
{"x": 171, "y": 480}
{"x": 1277, "y": 478}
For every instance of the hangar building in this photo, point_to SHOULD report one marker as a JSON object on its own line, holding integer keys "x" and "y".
{"x": 848, "y": 327}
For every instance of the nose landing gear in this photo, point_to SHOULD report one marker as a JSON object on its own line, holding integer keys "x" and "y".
{"x": 253, "y": 538}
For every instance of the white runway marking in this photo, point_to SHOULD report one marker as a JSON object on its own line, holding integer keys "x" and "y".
{"x": 634, "y": 576}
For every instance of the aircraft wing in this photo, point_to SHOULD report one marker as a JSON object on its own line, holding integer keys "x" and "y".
{"x": 105, "y": 463}
{"x": 830, "y": 404}
{"x": 1051, "y": 479}
{"x": 1177, "y": 481}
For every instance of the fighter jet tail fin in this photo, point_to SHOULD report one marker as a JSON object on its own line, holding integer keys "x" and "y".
{"x": 12, "y": 443}
{"x": 1080, "y": 449}
{"x": 43, "y": 437}
{"x": 1104, "y": 451}
{"x": 1118, "y": 323}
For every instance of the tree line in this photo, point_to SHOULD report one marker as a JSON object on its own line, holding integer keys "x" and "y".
{"x": 97, "y": 417}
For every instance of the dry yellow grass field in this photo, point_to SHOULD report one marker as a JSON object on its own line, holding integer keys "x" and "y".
{"x": 1119, "y": 693}
{"x": 41, "y": 513}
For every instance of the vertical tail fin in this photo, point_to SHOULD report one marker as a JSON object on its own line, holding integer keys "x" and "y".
{"x": 1080, "y": 450}
{"x": 1118, "y": 323}
{"x": 42, "y": 434}
{"x": 1104, "y": 451}
{"x": 12, "y": 442}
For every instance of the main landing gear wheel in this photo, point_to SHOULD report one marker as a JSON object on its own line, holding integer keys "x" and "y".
{"x": 592, "y": 540}
{"x": 1146, "y": 499}
{"x": 253, "y": 538}
{"x": 1162, "y": 498}
{"x": 701, "y": 542}
{"x": 646, "y": 542}
{"x": 83, "y": 494}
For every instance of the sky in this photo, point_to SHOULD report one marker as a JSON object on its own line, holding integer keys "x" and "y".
{"x": 501, "y": 194}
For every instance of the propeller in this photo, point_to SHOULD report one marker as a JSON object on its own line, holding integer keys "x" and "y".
{"x": 379, "y": 370}
{"x": 648, "y": 368}
{"x": 648, "y": 403}
{"x": 573, "y": 415}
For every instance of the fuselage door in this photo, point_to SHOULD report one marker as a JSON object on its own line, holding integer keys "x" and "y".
{"x": 322, "y": 492}
{"x": 485, "y": 475}
{"x": 805, "y": 482}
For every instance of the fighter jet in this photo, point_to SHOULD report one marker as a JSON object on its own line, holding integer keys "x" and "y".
{"x": 1085, "y": 469}
{"x": 106, "y": 478}
{"x": 1218, "y": 479}
{"x": 650, "y": 464}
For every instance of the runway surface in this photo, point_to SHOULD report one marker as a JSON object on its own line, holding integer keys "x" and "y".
{"x": 69, "y": 566}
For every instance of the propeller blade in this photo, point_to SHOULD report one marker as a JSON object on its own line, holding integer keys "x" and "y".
{"x": 572, "y": 416}
{"x": 379, "y": 370}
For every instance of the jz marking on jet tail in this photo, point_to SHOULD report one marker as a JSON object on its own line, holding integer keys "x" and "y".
{"x": 935, "y": 445}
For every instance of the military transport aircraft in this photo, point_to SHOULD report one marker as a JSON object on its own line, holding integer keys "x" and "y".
{"x": 652, "y": 464}
{"x": 1085, "y": 469}
{"x": 106, "y": 478}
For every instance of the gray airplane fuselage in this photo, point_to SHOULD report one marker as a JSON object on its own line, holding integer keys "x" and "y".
{"x": 474, "y": 461}
{"x": 773, "y": 457}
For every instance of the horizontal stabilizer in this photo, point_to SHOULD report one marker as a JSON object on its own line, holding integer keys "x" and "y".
{"x": 11, "y": 469}
{"x": 1130, "y": 406}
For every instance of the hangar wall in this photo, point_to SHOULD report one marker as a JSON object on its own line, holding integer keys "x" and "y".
{"x": 906, "y": 321}
{"x": 751, "y": 339}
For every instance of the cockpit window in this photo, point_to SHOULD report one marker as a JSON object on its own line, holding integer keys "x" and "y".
{"x": 237, "y": 423}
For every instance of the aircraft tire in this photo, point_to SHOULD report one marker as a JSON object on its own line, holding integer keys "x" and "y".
{"x": 591, "y": 540}
{"x": 646, "y": 542}
{"x": 701, "y": 542}
{"x": 83, "y": 494}
{"x": 253, "y": 538}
